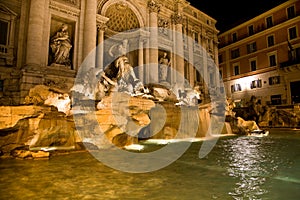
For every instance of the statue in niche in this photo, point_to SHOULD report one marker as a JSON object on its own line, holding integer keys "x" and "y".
{"x": 164, "y": 63}
{"x": 61, "y": 45}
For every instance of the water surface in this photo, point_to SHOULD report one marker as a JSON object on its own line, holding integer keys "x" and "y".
{"x": 236, "y": 168}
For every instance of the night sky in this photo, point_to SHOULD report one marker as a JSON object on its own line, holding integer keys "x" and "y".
{"x": 233, "y": 12}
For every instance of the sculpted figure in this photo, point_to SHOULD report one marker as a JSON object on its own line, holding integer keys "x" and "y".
{"x": 164, "y": 63}
{"x": 61, "y": 45}
{"x": 120, "y": 74}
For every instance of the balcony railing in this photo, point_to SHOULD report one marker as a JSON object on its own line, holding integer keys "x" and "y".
{"x": 289, "y": 63}
{"x": 3, "y": 49}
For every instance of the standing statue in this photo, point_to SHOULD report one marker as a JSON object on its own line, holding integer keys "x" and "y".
{"x": 61, "y": 45}
{"x": 164, "y": 63}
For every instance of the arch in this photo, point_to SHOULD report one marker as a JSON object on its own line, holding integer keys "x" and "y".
{"x": 105, "y": 8}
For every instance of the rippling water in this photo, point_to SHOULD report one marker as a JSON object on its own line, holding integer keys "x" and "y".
{"x": 236, "y": 168}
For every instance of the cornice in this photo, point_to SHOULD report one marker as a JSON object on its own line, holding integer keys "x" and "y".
{"x": 263, "y": 15}
{"x": 259, "y": 34}
{"x": 69, "y": 10}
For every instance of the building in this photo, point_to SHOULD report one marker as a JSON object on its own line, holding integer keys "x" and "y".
{"x": 261, "y": 57}
{"x": 32, "y": 51}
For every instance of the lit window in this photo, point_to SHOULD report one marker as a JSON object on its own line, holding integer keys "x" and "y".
{"x": 274, "y": 80}
{"x": 256, "y": 84}
{"x": 236, "y": 88}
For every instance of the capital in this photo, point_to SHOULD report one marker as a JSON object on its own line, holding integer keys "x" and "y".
{"x": 101, "y": 27}
{"x": 177, "y": 18}
{"x": 153, "y": 6}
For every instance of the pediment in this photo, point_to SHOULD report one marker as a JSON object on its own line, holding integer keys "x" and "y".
{"x": 5, "y": 10}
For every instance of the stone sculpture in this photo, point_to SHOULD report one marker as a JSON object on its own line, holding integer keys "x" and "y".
{"x": 61, "y": 45}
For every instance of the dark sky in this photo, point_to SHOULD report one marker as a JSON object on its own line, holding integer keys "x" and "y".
{"x": 233, "y": 12}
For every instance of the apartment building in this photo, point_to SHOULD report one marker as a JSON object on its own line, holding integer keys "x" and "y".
{"x": 261, "y": 57}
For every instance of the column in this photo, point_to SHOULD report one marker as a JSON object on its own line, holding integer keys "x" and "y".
{"x": 205, "y": 73}
{"x": 216, "y": 54}
{"x": 190, "y": 43}
{"x": 90, "y": 32}
{"x": 141, "y": 60}
{"x": 35, "y": 33}
{"x": 179, "y": 52}
{"x": 100, "y": 47}
{"x": 153, "y": 51}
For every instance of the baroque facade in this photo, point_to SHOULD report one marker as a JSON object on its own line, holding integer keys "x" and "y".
{"x": 44, "y": 42}
{"x": 261, "y": 57}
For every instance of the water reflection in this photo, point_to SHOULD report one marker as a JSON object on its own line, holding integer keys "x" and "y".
{"x": 248, "y": 163}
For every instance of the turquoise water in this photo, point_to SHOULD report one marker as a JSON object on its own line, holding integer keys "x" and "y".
{"x": 236, "y": 168}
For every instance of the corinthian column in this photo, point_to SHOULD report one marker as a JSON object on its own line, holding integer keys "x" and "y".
{"x": 90, "y": 30}
{"x": 35, "y": 33}
{"x": 100, "y": 49}
{"x": 179, "y": 54}
{"x": 154, "y": 9}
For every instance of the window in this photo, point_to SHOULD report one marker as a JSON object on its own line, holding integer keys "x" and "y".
{"x": 276, "y": 99}
{"x": 291, "y": 12}
{"x": 7, "y": 21}
{"x": 256, "y": 84}
{"x": 220, "y": 57}
{"x": 292, "y": 33}
{"x": 1, "y": 85}
{"x": 198, "y": 76}
{"x": 253, "y": 65}
{"x": 195, "y": 14}
{"x": 236, "y": 88}
{"x": 269, "y": 21}
{"x": 250, "y": 30}
{"x": 235, "y": 53}
{"x": 251, "y": 47}
{"x": 234, "y": 37}
{"x": 274, "y": 80}
{"x": 272, "y": 60}
{"x": 4, "y": 32}
{"x": 236, "y": 70}
{"x": 196, "y": 37}
{"x": 270, "y": 39}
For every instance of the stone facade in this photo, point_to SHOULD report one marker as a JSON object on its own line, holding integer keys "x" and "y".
{"x": 46, "y": 41}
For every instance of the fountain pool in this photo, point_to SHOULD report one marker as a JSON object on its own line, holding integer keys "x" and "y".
{"x": 236, "y": 168}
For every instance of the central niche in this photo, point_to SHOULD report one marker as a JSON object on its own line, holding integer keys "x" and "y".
{"x": 121, "y": 18}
